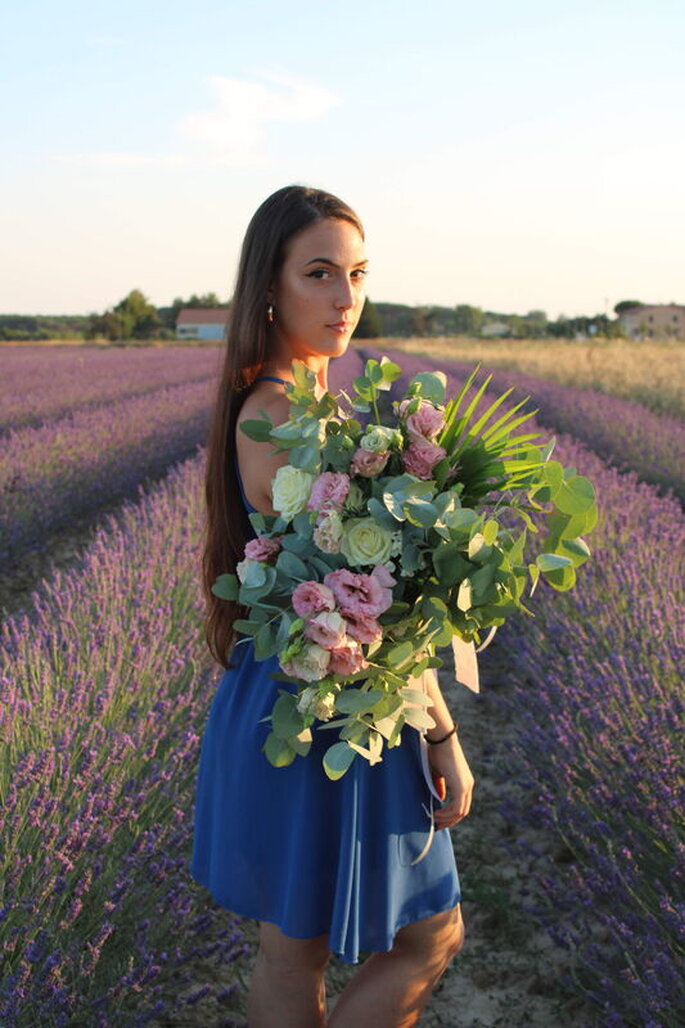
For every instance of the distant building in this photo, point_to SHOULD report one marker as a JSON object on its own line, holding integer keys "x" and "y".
{"x": 495, "y": 329}
{"x": 201, "y": 323}
{"x": 654, "y": 321}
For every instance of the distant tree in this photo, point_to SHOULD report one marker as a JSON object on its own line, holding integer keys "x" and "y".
{"x": 370, "y": 326}
{"x": 626, "y": 305}
{"x": 134, "y": 317}
{"x": 421, "y": 321}
{"x": 535, "y": 324}
{"x": 468, "y": 320}
{"x": 139, "y": 316}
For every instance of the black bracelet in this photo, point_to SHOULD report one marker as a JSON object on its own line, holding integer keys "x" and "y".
{"x": 436, "y": 742}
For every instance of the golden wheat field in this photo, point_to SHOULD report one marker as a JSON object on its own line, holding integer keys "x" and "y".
{"x": 652, "y": 373}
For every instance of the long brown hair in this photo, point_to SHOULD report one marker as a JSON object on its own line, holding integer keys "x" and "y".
{"x": 248, "y": 336}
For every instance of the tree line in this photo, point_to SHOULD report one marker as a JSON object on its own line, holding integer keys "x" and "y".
{"x": 134, "y": 317}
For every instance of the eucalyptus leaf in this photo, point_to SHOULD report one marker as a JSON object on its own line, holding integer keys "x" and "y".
{"x": 226, "y": 587}
{"x": 337, "y": 759}
{"x": 286, "y": 719}
{"x": 354, "y": 701}
{"x": 277, "y": 751}
{"x": 259, "y": 430}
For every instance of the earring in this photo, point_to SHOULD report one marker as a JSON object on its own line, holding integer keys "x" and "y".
{"x": 270, "y": 312}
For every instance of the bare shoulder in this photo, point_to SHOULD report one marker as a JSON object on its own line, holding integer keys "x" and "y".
{"x": 257, "y": 461}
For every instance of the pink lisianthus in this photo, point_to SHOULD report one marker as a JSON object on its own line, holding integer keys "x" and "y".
{"x": 262, "y": 548}
{"x": 420, "y": 459}
{"x": 363, "y": 628}
{"x": 368, "y": 464}
{"x": 347, "y": 659}
{"x": 386, "y": 582}
{"x": 329, "y": 492}
{"x": 364, "y": 596}
{"x": 327, "y": 629}
{"x": 311, "y": 598}
{"x": 427, "y": 421}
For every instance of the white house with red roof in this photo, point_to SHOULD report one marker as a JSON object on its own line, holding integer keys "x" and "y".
{"x": 201, "y": 323}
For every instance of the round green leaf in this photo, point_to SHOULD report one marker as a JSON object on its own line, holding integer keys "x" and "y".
{"x": 277, "y": 751}
{"x": 337, "y": 760}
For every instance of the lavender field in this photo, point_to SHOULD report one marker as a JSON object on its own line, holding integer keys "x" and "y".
{"x": 82, "y": 461}
{"x": 105, "y": 687}
{"x": 38, "y": 385}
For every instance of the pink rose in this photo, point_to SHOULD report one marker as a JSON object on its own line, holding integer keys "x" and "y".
{"x": 420, "y": 459}
{"x": 311, "y": 598}
{"x": 426, "y": 421}
{"x": 362, "y": 628}
{"x": 327, "y": 629}
{"x": 368, "y": 464}
{"x": 358, "y": 595}
{"x": 329, "y": 492}
{"x": 347, "y": 659}
{"x": 263, "y": 548}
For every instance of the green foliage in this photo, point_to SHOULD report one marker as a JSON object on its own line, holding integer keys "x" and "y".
{"x": 132, "y": 318}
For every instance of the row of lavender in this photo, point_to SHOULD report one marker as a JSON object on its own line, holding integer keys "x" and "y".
{"x": 104, "y": 691}
{"x": 75, "y": 465}
{"x": 39, "y": 384}
{"x": 624, "y": 433}
{"x": 102, "y": 699}
{"x": 598, "y": 690}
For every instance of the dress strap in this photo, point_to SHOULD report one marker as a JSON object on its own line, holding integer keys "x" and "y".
{"x": 271, "y": 378}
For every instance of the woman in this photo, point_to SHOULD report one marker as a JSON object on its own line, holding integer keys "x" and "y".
{"x": 323, "y": 866}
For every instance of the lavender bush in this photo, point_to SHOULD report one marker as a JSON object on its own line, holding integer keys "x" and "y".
{"x": 76, "y": 465}
{"x": 104, "y": 695}
{"x": 598, "y": 684}
{"x": 39, "y": 384}
{"x": 104, "y": 692}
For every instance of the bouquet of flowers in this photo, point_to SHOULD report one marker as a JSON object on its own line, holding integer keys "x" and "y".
{"x": 392, "y": 538}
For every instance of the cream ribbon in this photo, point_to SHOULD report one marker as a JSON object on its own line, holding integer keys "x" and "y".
{"x": 466, "y": 673}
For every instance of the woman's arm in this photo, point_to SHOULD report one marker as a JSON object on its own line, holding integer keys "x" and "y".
{"x": 447, "y": 758}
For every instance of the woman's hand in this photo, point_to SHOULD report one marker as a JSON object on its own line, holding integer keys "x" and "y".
{"x": 447, "y": 760}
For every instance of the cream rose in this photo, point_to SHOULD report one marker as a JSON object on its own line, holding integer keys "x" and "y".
{"x": 291, "y": 488}
{"x": 366, "y": 542}
{"x": 310, "y": 664}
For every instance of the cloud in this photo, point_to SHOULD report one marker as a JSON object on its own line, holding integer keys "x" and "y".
{"x": 235, "y": 129}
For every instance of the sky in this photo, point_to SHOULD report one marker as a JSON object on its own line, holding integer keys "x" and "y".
{"x": 513, "y": 156}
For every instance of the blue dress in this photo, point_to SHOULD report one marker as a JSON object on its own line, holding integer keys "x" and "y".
{"x": 312, "y": 856}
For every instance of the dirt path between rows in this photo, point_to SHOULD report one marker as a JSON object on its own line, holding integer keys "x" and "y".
{"x": 509, "y": 973}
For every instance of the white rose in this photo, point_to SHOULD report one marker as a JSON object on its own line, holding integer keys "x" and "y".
{"x": 291, "y": 488}
{"x": 364, "y": 541}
